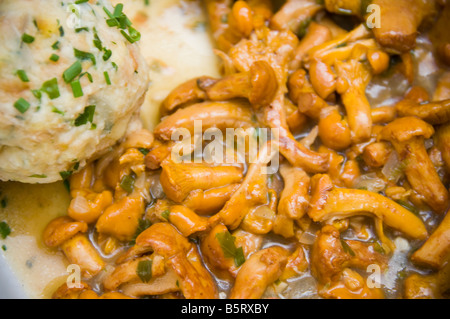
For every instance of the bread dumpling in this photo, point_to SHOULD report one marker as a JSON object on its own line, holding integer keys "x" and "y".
{"x": 72, "y": 80}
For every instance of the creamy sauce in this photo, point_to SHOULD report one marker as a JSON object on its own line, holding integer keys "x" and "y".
{"x": 176, "y": 45}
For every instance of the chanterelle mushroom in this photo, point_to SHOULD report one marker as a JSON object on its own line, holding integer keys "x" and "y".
{"x": 328, "y": 202}
{"x": 259, "y": 85}
{"x": 407, "y": 135}
{"x": 181, "y": 256}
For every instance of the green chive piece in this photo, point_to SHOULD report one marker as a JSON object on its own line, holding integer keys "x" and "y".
{"x": 55, "y": 46}
{"x": 76, "y": 89}
{"x": 54, "y": 57}
{"x": 165, "y": 214}
{"x": 81, "y": 1}
{"x": 147, "y": 2}
{"x": 37, "y": 94}
{"x": 226, "y": 241}
{"x": 22, "y": 75}
{"x": 72, "y": 72}
{"x": 112, "y": 22}
{"x": 4, "y": 202}
{"x": 61, "y": 31}
{"x": 27, "y": 38}
{"x": 118, "y": 10}
{"x": 78, "y": 30}
{"x": 144, "y": 270}
{"x": 107, "y": 54}
{"x": 84, "y": 55}
{"x": 38, "y": 176}
{"x": 144, "y": 151}
{"x": 97, "y": 41}
{"x": 5, "y": 230}
{"x": 65, "y": 174}
{"x": 22, "y": 105}
{"x": 107, "y": 79}
{"x": 347, "y": 248}
{"x": 127, "y": 183}
{"x": 51, "y": 88}
{"x": 57, "y": 111}
{"x": 86, "y": 116}
{"x": 133, "y": 35}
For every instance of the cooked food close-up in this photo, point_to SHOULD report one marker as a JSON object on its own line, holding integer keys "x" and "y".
{"x": 221, "y": 149}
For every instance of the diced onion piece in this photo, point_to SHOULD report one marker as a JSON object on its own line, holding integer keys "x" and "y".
{"x": 370, "y": 182}
{"x": 393, "y": 170}
{"x": 79, "y": 204}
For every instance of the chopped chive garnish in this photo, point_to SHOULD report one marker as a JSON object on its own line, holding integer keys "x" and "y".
{"x": 147, "y": 2}
{"x": 107, "y": 79}
{"x": 144, "y": 270}
{"x": 5, "y": 230}
{"x": 107, "y": 54}
{"x": 4, "y": 202}
{"x": 65, "y": 174}
{"x": 76, "y": 89}
{"x": 165, "y": 214}
{"x": 114, "y": 65}
{"x": 22, "y": 105}
{"x": 86, "y": 116}
{"x": 127, "y": 183}
{"x": 108, "y": 13}
{"x": 72, "y": 72}
{"x": 37, "y": 94}
{"x": 55, "y": 46}
{"x": 133, "y": 35}
{"x": 54, "y": 57}
{"x": 22, "y": 75}
{"x": 51, "y": 88}
{"x": 77, "y": 30}
{"x": 61, "y": 31}
{"x": 112, "y": 22}
{"x": 38, "y": 176}
{"x": 27, "y": 38}
{"x": 84, "y": 55}
{"x": 347, "y": 248}
{"x": 81, "y": 1}
{"x": 57, "y": 111}
{"x": 227, "y": 243}
{"x": 144, "y": 151}
{"x": 118, "y": 10}
{"x": 97, "y": 41}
